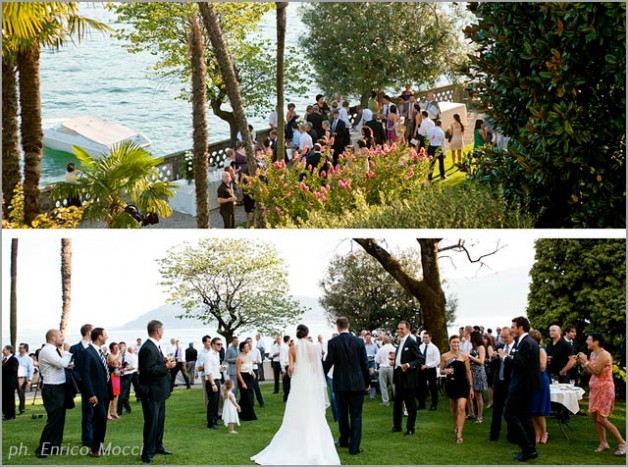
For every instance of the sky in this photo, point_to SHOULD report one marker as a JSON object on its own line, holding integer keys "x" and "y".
{"x": 115, "y": 273}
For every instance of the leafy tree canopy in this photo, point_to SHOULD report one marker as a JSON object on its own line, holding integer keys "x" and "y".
{"x": 162, "y": 28}
{"x": 238, "y": 284}
{"x": 551, "y": 76}
{"x": 356, "y": 286}
{"x": 357, "y": 47}
{"x": 582, "y": 282}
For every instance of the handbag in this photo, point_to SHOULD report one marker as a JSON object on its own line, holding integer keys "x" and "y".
{"x": 448, "y": 136}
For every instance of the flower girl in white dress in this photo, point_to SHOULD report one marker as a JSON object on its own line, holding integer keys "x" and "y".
{"x": 230, "y": 408}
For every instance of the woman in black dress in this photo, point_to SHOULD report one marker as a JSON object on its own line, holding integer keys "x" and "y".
{"x": 244, "y": 369}
{"x": 455, "y": 366}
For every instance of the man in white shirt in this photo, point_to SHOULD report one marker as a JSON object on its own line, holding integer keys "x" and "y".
{"x": 211, "y": 365}
{"x": 436, "y": 149}
{"x": 424, "y": 129}
{"x": 427, "y": 374}
{"x": 24, "y": 375}
{"x": 272, "y": 120}
{"x": 465, "y": 340}
{"x": 200, "y": 364}
{"x": 52, "y": 365}
{"x": 284, "y": 359}
{"x": 305, "y": 140}
{"x": 256, "y": 358}
{"x": 275, "y": 363}
{"x": 259, "y": 345}
{"x": 371, "y": 351}
{"x": 382, "y": 359}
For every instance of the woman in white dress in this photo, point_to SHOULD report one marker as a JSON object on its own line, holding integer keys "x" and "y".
{"x": 304, "y": 437}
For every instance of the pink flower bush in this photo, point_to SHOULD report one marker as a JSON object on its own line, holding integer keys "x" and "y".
{"x": 293, "y": 193}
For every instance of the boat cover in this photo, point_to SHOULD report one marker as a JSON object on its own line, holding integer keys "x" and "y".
{"x": 99, "y": 130}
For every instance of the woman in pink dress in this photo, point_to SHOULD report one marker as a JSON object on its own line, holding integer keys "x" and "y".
{"x": 391, "y": 124}
{"x": 602, "y": 391}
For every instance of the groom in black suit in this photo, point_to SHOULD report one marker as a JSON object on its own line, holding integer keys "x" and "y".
{"x": 95, "y": 387}
{"x": 408, "y": 360}
{"x": 347, "y": 354}
{"x": 525, "y": 378}
{"x": 153, "y": 389}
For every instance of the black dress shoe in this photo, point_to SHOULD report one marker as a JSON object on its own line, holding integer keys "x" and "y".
{"x": 147, "y": 460}
{"x": 95, "y": 454}
{"x": 421, "y": 407}
{"x": 163, "y": 452}
{"x": 340, "y": 445}
{"x": 354, "y": 453}
{"x": 526, "y": 457}
{"x": 408, "y": 433}
{"x": 432, "y": 408}
{"x": 395, "y": 429}
{"x": 39, "y": 455}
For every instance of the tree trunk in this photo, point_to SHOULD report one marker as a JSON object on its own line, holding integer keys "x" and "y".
{"x": 428, "y": 291}
{"x": 13, "y": 315}
{"x": 216, "y": 105}
{"x": 199, "y": 122}
{"x": 10, "y": 134}
{"x": 225, "y": 64}
{"x": 32, "y": 134}
{"x": 66, "y": 282}
{"x": 281, "y": 48}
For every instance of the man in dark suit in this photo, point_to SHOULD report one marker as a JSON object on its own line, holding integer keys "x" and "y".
{"x": 501, "y": 364}
{"x": 524, "y": 380}
{"x": 86, "y": 408}
{"x": 10, "y": 365}
{"x": 316, "y": 119}
{"x": 347, "y": 354}
{"x": 95, "y": 387}
{"x": 154, "y": 388}
{"x": 340, "y": 132}
{"x": 408, "y": 360}
{"x": 379, "y": 133}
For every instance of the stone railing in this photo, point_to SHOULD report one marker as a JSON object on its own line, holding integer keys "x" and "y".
{"x": 172, "y": 168}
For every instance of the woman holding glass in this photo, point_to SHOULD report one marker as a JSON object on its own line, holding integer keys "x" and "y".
{"x": 602, "y": 391}
{"x": 455, "y": 366}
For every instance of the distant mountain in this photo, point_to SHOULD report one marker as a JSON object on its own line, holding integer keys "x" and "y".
{"x": 167, "y": 314}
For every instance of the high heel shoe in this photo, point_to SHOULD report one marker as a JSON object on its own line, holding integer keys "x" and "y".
{"x": 544, "y": 439}
{"x": 459, "y": 440}
{"x": 602, "y": 448}
{"x": 621, "y": 450}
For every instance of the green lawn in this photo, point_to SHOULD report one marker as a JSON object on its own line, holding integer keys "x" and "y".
{"x": 192, "y": 443}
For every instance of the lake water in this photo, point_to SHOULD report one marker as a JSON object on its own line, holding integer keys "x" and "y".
{"x": 98, "y": 76}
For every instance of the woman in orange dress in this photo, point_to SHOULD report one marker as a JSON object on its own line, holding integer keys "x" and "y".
{"x": 602, "y": 391}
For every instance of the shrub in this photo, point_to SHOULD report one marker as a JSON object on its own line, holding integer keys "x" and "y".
{"x": 289, "y": 196}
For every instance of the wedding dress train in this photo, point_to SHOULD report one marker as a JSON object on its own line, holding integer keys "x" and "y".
{"x": 304, "y": 437}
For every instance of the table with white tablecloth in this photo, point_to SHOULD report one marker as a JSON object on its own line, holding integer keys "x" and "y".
{"x": 567, "y": 397}
{"x": 184, "y": 199}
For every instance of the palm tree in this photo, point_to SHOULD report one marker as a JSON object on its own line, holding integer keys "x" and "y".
{"x": 66, "y": 282}
{"x": 10, "y": 139}
{"x": 128, "y": 175}
{"x": 199, "y": 122}
{"x": 225, "y": 63}
{"x": 13, "y": 315}
{"x": 281, "y": 47}
{"x": 26, "y": 27}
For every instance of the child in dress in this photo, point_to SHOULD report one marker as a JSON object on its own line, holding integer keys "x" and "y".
{"x": 230, "y": 408}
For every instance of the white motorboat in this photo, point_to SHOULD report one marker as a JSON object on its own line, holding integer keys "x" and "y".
{"x": 93, "y": 134}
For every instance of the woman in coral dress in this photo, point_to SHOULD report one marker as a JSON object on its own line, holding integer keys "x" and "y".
{"x": 602, "y": 391}
{"x": 114, "y": 362}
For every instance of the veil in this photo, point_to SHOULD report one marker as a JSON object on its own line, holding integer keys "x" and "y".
{"x": 308, "y": 371}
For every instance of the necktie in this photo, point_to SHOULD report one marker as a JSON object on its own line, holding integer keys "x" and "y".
{"x": 501, "y": 364}
{"x": 333, "y": 128}
{"x": 103, "y": 360}
{"x": 4, "y": 360}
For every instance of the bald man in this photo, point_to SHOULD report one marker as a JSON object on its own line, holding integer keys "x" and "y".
{"x": 559, "y": 355}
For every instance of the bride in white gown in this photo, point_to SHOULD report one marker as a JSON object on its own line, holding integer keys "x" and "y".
{"x": 304, "y": 437}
